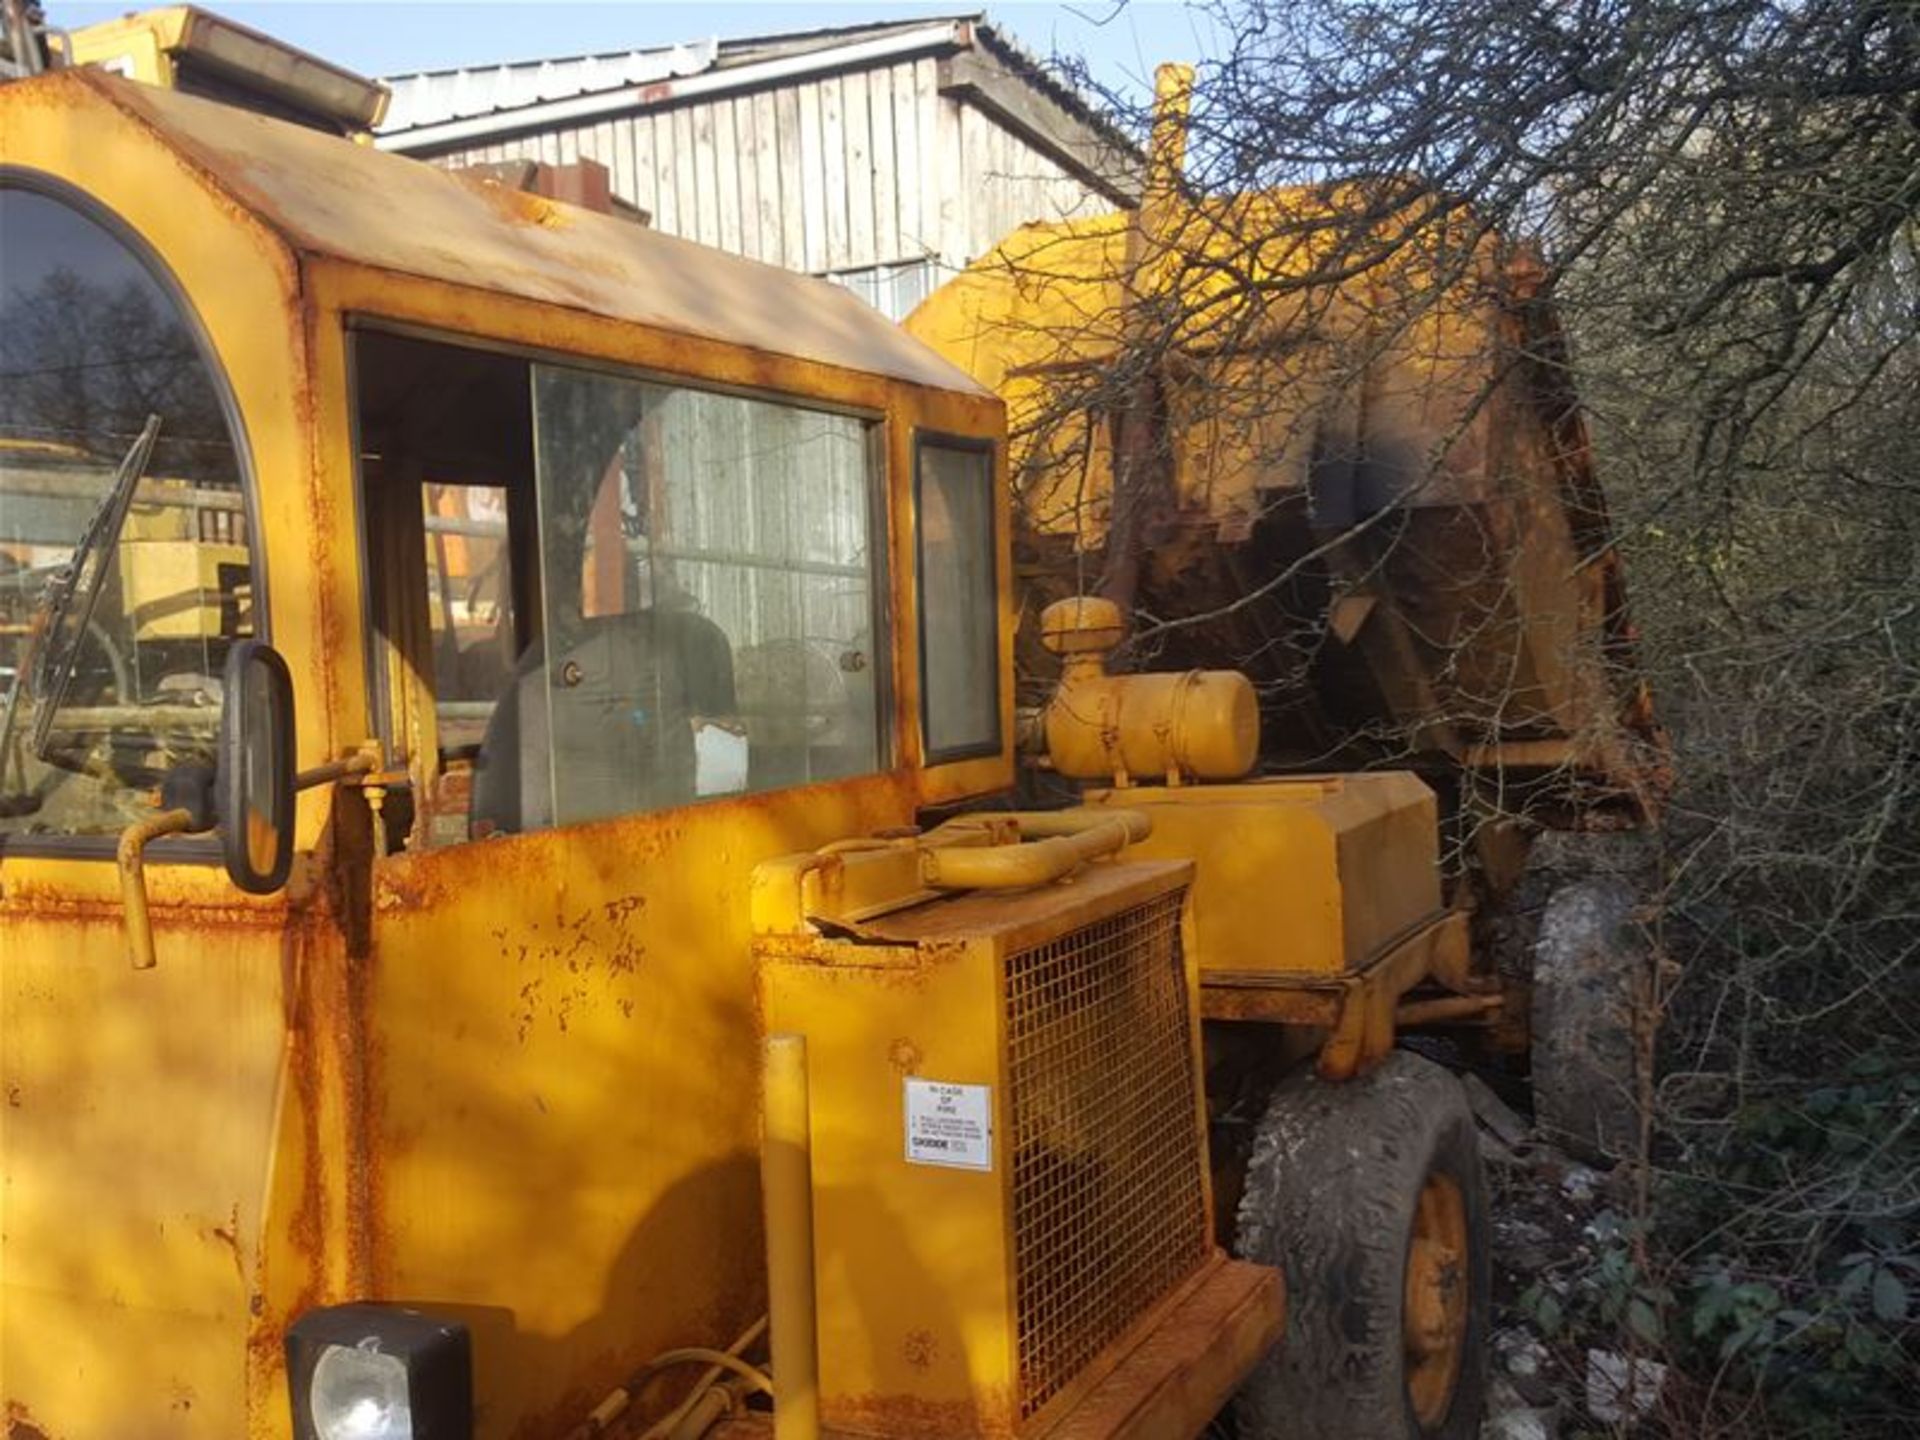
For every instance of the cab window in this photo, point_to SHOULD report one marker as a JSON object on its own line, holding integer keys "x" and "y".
{"x": 959, "y": 601}
{"x": 630, "y": 596}
{"x": 125, "y": 571}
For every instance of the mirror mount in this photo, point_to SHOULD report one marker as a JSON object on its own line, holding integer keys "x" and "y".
{"x": 247, "y": 795}
{"x": 133, "y": 877}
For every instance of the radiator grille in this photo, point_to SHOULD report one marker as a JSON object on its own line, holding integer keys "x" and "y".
{"x": 1108, "y": 1206}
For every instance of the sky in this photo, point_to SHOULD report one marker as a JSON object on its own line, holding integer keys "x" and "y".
{"x": 1121, "y": 42}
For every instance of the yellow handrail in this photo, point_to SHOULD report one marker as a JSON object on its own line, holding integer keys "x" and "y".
{"x": 1054, "y": 843}
{"x": 786, "y": 1179}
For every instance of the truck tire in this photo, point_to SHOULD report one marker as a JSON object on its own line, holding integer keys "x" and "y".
{"x": 1570, "y": 930}
{"x": 1368, "y": 1194}
{"x": 1589, "y": 958}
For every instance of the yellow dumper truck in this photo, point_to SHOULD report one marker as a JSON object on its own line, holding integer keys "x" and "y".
{"x": 1328, "y": 437}
{"x": 634, "y": 1008}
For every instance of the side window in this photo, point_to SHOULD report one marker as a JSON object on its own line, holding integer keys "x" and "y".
{"x": 959, "y": 601}
{"x": 708, "y": 578}
{"x": 94, "y": 346}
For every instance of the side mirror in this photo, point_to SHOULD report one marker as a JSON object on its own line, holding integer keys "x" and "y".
{"x": 254, "y": 782}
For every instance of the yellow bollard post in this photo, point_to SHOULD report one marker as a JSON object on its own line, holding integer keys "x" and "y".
{"x": 786, "y": 1183}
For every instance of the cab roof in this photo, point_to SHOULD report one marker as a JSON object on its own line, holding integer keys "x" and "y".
{"x": 327, "y": 197}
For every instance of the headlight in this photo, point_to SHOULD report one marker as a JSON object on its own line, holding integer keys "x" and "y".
{"x": 358, "y": 1393}
{"x": 379, "y": 1372}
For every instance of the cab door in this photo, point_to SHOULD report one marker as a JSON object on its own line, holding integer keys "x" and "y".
{"x": 630, "y": 644}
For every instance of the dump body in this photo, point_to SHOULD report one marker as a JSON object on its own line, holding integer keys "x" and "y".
{"x": 1372, "y": 491}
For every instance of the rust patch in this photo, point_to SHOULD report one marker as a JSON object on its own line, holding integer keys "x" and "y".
{"x": 229, "y": 1236}
{"x": 905, "y": 1057}
{"x": 988, "y": 1414}
{"x": 332, "y": 639}
{"x": 922, "y": 1348}
{"x": 20, "y": 1425}
{"x": 28, "y": 901}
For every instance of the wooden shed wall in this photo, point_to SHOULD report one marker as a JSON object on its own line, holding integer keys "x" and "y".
{"x": 863, "y": 169}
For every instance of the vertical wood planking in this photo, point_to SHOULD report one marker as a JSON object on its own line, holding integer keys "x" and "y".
{"x": 813, "y": 205}
{"x": 766, "y": 165}
{"x": 646, "y": 189}
{"x": 793, "y": 226}
{"x": 747, "y": 188}
{"x": 949, "y": 176}
{"x": 610, "y": 152}
{"x": 726, "y": 175}
{"x": 974, "y": 175}
{"x": 933, "y": 178}
{"x": 859, "y": 169}
{"x": 833, "y": 186}
{"x": 686, "y": 162}
{"x": 1005, "y": 205}
{"x": 886, "y": 212}
{"x": 706, "y": 177}
{"x": 666, "y": 172}
{"x": 908, "y": 179}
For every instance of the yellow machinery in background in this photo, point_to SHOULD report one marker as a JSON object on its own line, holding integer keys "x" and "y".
{"x": 1317, "y": 901}
{"x": 1330, "y": 434}
{"x": 1325, "y": 442}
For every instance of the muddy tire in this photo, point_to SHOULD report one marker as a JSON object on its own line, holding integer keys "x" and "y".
{"x": 1570, "y": 930}
{"x": 1590, "y": 959}
{"x": 1369, "y": 1196}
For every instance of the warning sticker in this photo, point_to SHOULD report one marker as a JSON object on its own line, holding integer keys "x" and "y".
{"x": 950, "y": 1124}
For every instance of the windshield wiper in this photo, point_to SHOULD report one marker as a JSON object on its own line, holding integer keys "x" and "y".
{"x": 60, "y": 621}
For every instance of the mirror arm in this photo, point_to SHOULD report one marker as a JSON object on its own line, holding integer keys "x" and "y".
{"x": 362, "y": 763}
{"x": 133, "y": 878}
{"x": 182, "y": 821}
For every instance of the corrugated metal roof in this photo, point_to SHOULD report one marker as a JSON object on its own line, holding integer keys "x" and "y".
{"x": 328, "y": 197}
{"x": 434, "y": 98}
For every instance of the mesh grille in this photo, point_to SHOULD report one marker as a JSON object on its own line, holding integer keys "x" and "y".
{"x": 1108, "y": 1209}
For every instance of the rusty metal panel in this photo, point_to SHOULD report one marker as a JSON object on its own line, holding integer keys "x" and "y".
{"x": 562, "y": 1131}
{"x": 339, "y": 200}
{"x": 137, "y": 1112}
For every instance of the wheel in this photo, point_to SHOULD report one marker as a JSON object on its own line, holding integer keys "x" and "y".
{"x": 1570, "y": 931}
{"x": 1589, "y": 958}
{"x": 1369, "y": 1195}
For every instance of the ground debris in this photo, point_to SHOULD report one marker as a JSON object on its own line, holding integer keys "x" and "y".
{"x": 1510, "y": 1417}
{"x": 1620, "y": 1388}
{"x": 1494, "y": 1114}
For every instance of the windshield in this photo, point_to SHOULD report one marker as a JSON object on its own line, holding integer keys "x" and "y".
{"x": 92, "y": 347}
